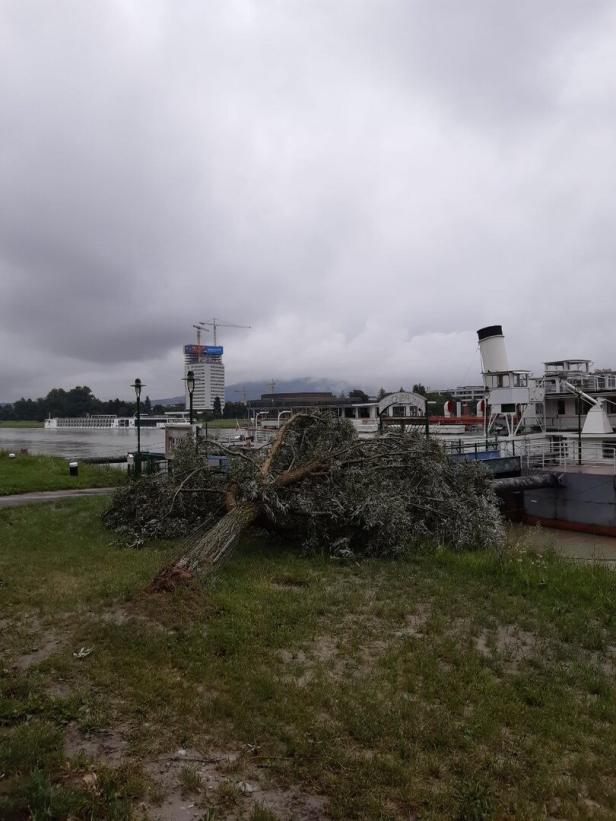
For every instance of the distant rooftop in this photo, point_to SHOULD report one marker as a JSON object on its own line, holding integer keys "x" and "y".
{"x": 568, "y": 362}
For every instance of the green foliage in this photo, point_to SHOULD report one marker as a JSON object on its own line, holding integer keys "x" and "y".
{"x": 235, "y": 410}
{"x": 163, "y": 506}
{"x": 342, "y": 494}
{"x": 378, "y": 496}
{"x": 78, "y": 401}
{"x": 358, "y": 395}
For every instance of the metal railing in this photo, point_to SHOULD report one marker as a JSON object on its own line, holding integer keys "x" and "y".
{"x": 571, "y": 453}
{"x": 586, "y": 382}
{"x": 475, "y": 448}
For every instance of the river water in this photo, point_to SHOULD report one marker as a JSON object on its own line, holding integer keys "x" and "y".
{"x": 583, "y": 547}
{"x": 75, "y": 444}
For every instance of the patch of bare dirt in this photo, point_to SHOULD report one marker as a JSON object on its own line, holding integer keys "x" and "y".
{"x": 59, "y": 689}
{"x": 293, "y": 804}
{"x": 508, "y": 641}
{"x": 327, "y": 651}
{"x": 121, "y": 614}
{"x": 231, "y": 782}
{"x": 107, "y": 746}
{"x": 44, "y": 645}
{"x": 414, "y": 624}
{"x": 289, "y": 583}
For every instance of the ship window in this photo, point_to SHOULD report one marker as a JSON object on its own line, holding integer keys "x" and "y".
{"x": 561, "y": 407}
{"x": 499, "y": 380}
{"x": 608, "y": 449}
{"x": 364, "y": 413}
{"x": 349, "y": 413}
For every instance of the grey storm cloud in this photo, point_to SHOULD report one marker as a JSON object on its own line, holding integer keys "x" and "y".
{"x": 365, "y": 183}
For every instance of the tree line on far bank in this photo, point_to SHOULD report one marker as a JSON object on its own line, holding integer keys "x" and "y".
{"x": 80, "y": 401}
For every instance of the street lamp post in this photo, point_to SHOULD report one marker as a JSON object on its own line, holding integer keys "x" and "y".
{"x": 431, "y": 402}
{"x": 190, "y": 387}
{"x": 578, "y": 402}
{"x": 138, "y": 385}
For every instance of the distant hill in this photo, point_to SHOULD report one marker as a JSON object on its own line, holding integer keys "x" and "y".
{"x": 171, "y": 400}
{"x": 235, "y": 392}
{"x": 254, "y": 389}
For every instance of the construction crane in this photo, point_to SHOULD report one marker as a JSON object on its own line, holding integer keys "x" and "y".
{"x": 241, "y": 390}
{"x": 199, "y": 327}
{"x": 218, "y": 323}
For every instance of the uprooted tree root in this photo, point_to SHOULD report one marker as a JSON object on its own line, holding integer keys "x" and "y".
{"x": 206, "y": 551}
{"x": 170, "y": 579}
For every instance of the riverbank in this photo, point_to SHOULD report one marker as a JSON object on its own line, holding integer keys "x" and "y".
{"x": 27, "y": 473}
{"x": 445, "y": 685}
{"x": 20, "y": 424}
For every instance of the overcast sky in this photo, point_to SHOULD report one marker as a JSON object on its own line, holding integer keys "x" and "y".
{"x": 365, "y": 182}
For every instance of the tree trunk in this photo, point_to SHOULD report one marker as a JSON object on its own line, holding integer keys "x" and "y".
{"x": 208, "y": 550}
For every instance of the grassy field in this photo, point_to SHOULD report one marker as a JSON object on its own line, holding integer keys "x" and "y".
{"x": 27, "y": 473}
{"x": 442, "y": 686}
{"x": 23, "y": 423}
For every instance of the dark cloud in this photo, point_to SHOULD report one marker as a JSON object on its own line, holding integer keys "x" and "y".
{"x": 366, "y": 183}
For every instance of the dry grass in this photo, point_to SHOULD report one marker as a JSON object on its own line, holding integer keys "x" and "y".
{"x": 443, "y": 686}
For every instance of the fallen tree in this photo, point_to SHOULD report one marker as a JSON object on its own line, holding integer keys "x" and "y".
{"x": 343, "y": 494}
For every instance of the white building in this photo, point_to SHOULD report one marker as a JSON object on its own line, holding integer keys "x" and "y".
{"x": 467, "y": 393}
{"x": 205, "y": 361}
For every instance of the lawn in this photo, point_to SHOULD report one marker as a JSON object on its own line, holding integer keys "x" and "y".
{"x": 462, "y": 686}
{"x": 27, "y": 473}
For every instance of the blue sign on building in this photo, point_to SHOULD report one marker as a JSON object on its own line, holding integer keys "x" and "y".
{"x": 203, "y": 350}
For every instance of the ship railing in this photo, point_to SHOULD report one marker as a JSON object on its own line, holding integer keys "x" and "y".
{"x": 572, "y": 453}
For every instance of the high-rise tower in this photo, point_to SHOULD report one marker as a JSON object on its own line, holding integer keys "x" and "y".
{"x": 205, "y": 361}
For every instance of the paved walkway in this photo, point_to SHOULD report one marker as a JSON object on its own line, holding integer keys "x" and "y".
{"x": 18, "y": 499}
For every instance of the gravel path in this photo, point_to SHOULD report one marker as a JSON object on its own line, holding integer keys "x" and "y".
{"x": 18, "y": 499}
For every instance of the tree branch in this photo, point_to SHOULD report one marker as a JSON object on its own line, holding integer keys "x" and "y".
{"x": 230, "y": 451}
{"x": 279, "y": 441}
{"x": 231, "y": 495}
{"x": 290, "y": 477}
{"x": 189, "y": 476}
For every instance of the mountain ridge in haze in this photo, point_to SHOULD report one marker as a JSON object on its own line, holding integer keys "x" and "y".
{"x": 254, "y": 388}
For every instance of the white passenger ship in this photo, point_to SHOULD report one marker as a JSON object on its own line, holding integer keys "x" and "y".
{"x": 113, "y": 422}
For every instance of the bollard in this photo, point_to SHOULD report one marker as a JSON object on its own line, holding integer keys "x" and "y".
{"x": 73, "y": 468}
